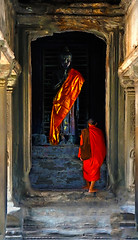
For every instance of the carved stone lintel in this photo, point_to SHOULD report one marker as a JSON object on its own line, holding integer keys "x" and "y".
{"x": 85, "y": 16}
{"x": 82, "y": 8}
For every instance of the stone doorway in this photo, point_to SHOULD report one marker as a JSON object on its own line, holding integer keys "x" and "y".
{"x": 88, "y": 58}
{"x": 58, "y": 167}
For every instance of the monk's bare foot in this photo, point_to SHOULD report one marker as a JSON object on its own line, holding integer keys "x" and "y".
{"x": 85, "y": 187}
{"x": 93, "y": 190}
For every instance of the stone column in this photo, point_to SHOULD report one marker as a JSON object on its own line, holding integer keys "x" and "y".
{"x": 9, "y": 143}
{"x": 12, "y": 78}
{"x": 8, "y": 67}
{"x": 128, "y": 73}
{"x": 136, "y": 153}
{"x": 25, "y": 113}
{"x": 112, "y": 107}
{"x": 129, "y": 137}
{"x": 3, "y": 160}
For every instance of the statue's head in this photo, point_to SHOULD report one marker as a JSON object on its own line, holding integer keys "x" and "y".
{"x": 65, "y": 58}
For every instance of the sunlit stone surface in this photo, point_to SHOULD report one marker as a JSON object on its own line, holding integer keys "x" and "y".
{"x": 75, "y": 215}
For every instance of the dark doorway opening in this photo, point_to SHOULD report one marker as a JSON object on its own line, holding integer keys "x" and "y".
{"x": 88, "y": 53}
{"x": 58, "y": 167}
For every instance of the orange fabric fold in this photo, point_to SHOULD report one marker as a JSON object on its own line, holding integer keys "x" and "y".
{"x": 63, "y": 102}
{"x": 91, "y": 166}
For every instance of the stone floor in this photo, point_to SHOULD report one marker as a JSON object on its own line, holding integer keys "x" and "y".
{"x": 58, "y": 207}
{"x": 73, "y": 214}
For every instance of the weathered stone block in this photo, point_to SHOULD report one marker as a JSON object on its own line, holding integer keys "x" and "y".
{"x": 39, "y": 139}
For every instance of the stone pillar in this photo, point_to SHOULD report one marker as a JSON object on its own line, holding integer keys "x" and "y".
{"x": 3, "y": 160}
{"x": 8, "y": 68}
{"x": 129, "y": 137}
{"x": 128, "y": 73}
{"x": 25, "y": 113}
{"x": 136, "y": 154}
{"x": 9, "y": 143}
{"x": 10, "y": 84}
{"x": 112, "y": 107}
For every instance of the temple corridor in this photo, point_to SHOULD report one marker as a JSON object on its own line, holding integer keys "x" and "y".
{"x": 69, "y": 61}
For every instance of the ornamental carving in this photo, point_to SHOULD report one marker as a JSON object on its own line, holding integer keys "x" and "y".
{"x": 9, "y": 68}
{"x": 128, "y": 71}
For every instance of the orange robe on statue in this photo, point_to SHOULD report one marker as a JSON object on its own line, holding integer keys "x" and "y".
{"x": 63, "y": 102}
{"x": 91, "y": 166}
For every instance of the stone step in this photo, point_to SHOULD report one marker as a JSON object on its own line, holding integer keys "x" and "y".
{"x": 128, "y": 216}
{"x": 68, "y": 223}
{"x": 65, "y": 226}
{"x": 72, "y": 237}
{"x": 59, "y": 151}
{"x": 128, "y": 220}
{"x": 13, "y": 233}
{"x": 75, "y": 215}
{"x": 127, "y": 224}
{"x": 58, "y": 167}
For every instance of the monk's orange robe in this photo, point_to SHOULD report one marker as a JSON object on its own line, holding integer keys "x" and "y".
{"x": 63, "y": 102}
{"x": 91, "y": 166}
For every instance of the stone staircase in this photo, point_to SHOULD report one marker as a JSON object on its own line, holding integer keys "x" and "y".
{"x": 58, "y": 167}
{"x": 68, "y": 215}
{"x": 74, "y": 215}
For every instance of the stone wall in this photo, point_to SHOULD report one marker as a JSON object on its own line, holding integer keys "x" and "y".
{"x": 128, "y": 72}
{"x": 9, "y": 72}
{"x": 7, "y": 21}
{"x": 131, "y": 28}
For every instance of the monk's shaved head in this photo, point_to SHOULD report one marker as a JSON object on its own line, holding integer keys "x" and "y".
{"x": 92, "y": 121}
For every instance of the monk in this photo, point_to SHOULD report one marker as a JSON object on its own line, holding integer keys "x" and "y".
{"x": 68, "y": 89}
{"x": 92, "y": 152}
